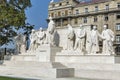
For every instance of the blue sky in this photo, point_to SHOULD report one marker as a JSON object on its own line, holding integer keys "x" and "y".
{"x": 37, "y": 14}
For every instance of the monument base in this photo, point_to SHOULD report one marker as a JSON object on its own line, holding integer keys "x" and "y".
{"x": 47, "y": 53}
{"x": 94, "y": 58}
{"x": 35, "y": 69}
{"x": 40, "y": 64}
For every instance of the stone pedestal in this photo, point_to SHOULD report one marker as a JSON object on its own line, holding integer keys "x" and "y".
{"x": 41, "y": 63}
{"x": 47, "y": 53}
{"x": 76, "y": 58}
{"x": 69, "y": 52}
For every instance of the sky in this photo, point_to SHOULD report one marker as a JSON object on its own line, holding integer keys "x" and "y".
{"x": 38, "y": 13}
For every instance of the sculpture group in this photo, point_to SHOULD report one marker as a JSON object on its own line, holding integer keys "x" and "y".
{"x": 88, "y": 42}
{"x": 79, "y": 40}
{"x": 41, "y": 37}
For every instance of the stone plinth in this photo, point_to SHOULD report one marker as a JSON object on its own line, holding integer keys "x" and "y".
{"x": 40, "y": 63}
{"x": 69, "y": 52}
{"x": 78, "y": 58}
{"x": 47, "y": 53}
{"x": 23, "y": 58}
{"x": 36, "y": 69}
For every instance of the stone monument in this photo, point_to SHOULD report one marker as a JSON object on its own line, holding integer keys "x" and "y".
{"x": 80, "y": 39}
{"x": 32, "y": 41}
{"x": 94, "y": 40}
{"x": 108, "y": 38}
{"x": 70, "y": 37}
{"x": 40, "y": 37}
{"x": 20, "y": 41}
{"x": 50, "y": 33}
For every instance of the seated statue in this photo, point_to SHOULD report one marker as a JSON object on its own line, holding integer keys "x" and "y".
{"x": 40, "y": 37}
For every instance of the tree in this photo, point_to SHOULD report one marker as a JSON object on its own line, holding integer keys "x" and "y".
{"x": 12, "y": 13}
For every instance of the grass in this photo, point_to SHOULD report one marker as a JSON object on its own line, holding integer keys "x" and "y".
{"x": 8, "y": 78}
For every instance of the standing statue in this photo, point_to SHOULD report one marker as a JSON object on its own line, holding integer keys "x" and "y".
{"x": 40, "y": 37}
{"x": 50, "y": 32}
{"x": 88, "y": 38}
{"x": 20, "y": 43}
{"x": 108, "y": 38}
{"x": 23, "y": 44}
{"x": 94, "y": 48}
{"x": 80, "y": 39}
{"x": 70, "y": 37}
{"x": 32, "y": 40}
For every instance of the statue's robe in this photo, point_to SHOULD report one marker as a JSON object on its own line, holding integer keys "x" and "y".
{"x": 70, "y": 38}
{"x": 94, "y": 41}
{"x": 80, "y": 40}
{"x": 108, "y": 38}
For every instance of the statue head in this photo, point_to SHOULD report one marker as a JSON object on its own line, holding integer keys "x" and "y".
{"x": 105, "y": 26}
{"x": 81, "y": 26}
{"x": 94, "y": 27}
{"x": 41, "y": 29}
{"x": 50, "y": 18}
{"x": 33, "y": 30}
{"x": 69, "y": 27}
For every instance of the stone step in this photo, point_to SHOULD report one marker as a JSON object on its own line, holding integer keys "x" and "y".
{"x": 97, "y": 74}
{"x": 21, "y": 57}
{"x": 34, "y": 64}
{"x": 36, "y": 72}
{"x": 108, "y": 59}
{"x": 93, "y": 66}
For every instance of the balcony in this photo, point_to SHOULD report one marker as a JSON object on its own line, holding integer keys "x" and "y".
{"x": 59, "y": 7}
{"x": 104, "y": 11}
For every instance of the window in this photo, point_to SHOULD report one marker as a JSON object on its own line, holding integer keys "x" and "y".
{"x": 95, "y": 19}
{"x": 59, "y": 13}
{"x": 77, "y": 11}
{"x": 60, "y": 4}
{"x": 96, "y": 8}
{"x": 85, "y": 20}
{"x": 53, "y": 5}
{"x": 106, "y": 18}
{"x": 107, "y": 7}
{"x": 67, "y": 3}
{"x": 118, "y": 5}
{"x": 76, "y": 21}
{"x": 52, "y": 14}
{"x": 55, "y": 15}
{"x": 62, "y": 14}
{"x": 66, "y": 12}
{"x": 118, "y": 15}
{"x": 69, "y": 13}
{"x": 118, "y": 26}
{"x": 86, "y": 10}
{"x": 118, "y": 39}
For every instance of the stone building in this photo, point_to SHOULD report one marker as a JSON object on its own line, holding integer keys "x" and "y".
{"x": 96, "y": 12}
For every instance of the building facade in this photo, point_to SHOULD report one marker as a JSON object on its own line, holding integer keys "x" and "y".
{"x": 95, "y": 12}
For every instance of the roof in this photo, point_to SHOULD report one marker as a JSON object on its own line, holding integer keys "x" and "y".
{"x": 91, "y": 2}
